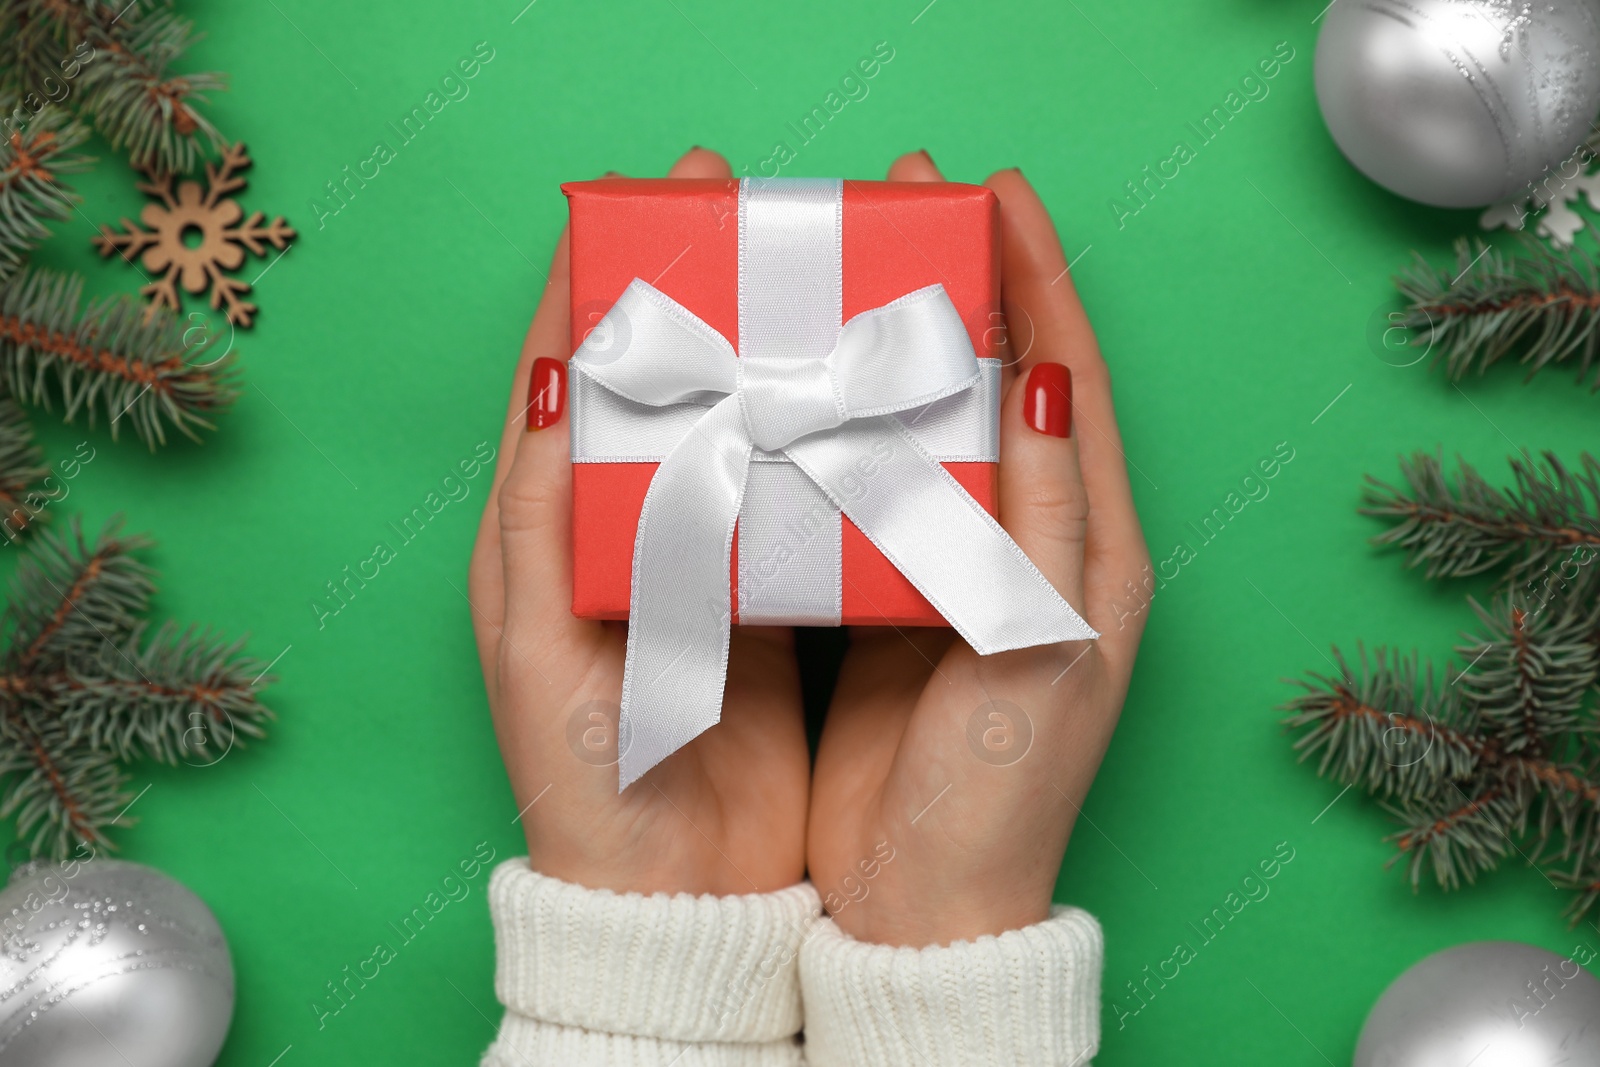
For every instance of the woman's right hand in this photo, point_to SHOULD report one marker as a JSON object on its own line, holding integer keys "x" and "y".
{"x": 724, "y": 815}
{"x": 947, "y": 783}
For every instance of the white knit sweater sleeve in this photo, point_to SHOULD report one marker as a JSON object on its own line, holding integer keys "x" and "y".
{"x": 1027, "y": 998}
{"x": 588, "y": 976}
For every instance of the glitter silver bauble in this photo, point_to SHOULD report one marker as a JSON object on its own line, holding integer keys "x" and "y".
{"x": 1459, "y": 103}
{"x": 1488, "y": 1004}
{"x": 108, "y": 963}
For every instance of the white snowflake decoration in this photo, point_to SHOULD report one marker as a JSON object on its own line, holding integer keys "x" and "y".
{"x": 1556, "y": 194}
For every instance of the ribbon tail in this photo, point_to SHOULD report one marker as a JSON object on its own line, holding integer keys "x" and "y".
{"x": 680, "y": 616}
{"x": 938, "y": 536}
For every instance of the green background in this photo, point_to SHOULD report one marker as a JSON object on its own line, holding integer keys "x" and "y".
{"x": 1234, "y": 309}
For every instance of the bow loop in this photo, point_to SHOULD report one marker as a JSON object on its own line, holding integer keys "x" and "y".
{"x": 909, "y": 352}
{"x": 652, "y": 350}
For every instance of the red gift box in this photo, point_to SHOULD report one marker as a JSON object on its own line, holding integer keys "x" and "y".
{"x": 682, "y": 236}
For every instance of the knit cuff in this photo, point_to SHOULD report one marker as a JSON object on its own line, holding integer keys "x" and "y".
{"x": 623, "y": 966}
{"x": 1029, "y": 996}
{"x": 524, "y": 1042}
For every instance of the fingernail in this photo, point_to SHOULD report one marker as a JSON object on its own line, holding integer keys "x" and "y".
{"x": 924, "y": 153}
{"x": 547, "y": 392}
{"x": 611, "y": 174}
{"x": 1047, "y": 399}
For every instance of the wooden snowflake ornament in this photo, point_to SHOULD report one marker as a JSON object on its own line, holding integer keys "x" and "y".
{"x": 194, "y": 236}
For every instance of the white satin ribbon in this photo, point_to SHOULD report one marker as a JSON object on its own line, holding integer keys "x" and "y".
{"x": 961, "y": 428}
{"x": 832, "y": 415}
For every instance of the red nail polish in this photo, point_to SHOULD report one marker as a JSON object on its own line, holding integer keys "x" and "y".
{"x": 1047, "y": 399}
{"x": 547, "y": 392}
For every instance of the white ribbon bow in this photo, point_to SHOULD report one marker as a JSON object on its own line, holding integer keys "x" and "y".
{"x": 832, "y": 417}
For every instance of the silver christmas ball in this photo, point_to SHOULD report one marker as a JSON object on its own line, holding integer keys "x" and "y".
{"x": 1458, "y": 103}
{"x": 109, "y": 964}
{"x": 1490, "y": 1004}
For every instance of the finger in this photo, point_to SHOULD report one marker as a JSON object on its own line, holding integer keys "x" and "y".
{"x": 535, "y": 505}
{"x": 547, "y": 336}
{"x": 915, "y": 167}
{"x": 1045, "y": 316}
{"x": 1034, "y": 278}
{"x": 873, "y": 700}
{"x": 700, "y": 163}
{"x": 1043, "y": 505}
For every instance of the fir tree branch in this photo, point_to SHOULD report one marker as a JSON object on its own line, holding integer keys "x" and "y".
{"x": 69, "y": 597}
{"x": 126, "y": 89}
{"x": 1470, "y": 832}
{"x": 61, "y": 794}
{"x": 29, "y": 52}
{"x": 181, "y": 695}
{"x": 1540, "y": 307}
{"x": 21, "y": 467}
{"x": 32, "y": 162}
{"x": 1373, "y": 727}
{"x": 1384, "y": 728}
{"x": 1467, "y": 526}
{"x": 1532, "y": 672}
{"x": 1588, "y": 896}
{"x": 1477, "y": 809}
{"x": 85, "y": 685}
{"x": 111, "y": 357}
{"x": 135, "y": 102}
{"x": 1452, "y": 761}
{"x": 1505, "y": 755}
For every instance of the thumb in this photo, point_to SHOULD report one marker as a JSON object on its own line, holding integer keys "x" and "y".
{"x": 1043, "y": 505}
